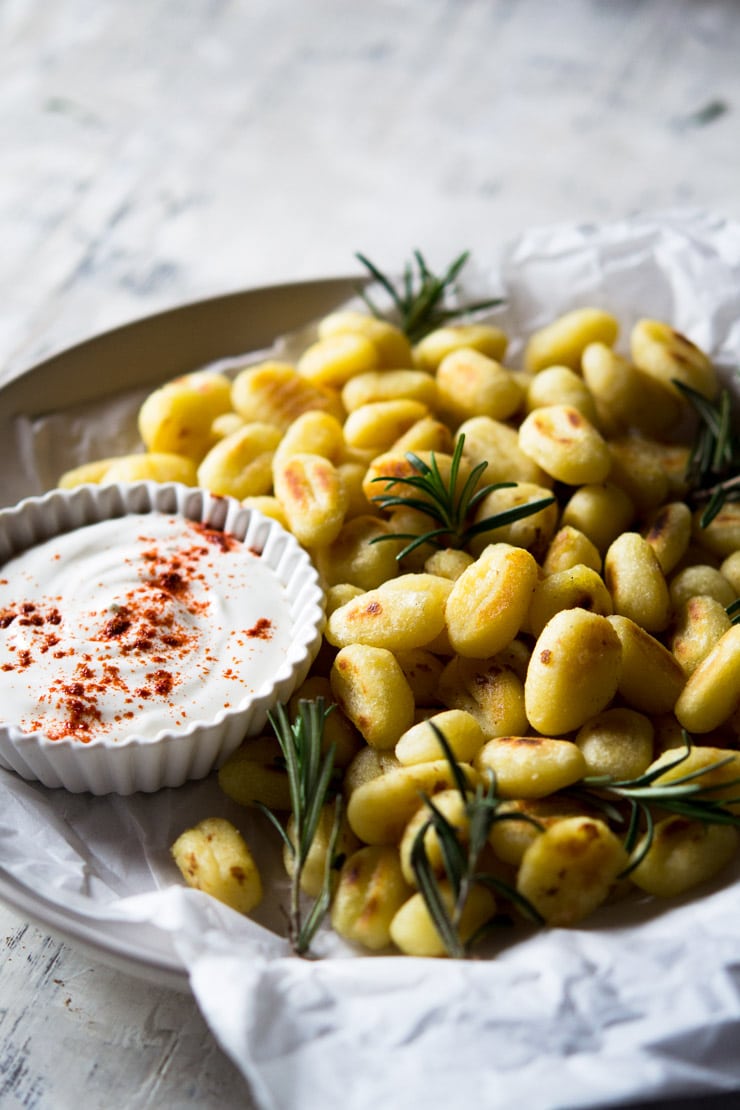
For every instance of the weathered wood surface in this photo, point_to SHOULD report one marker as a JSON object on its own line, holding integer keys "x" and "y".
{"x": 154, "y": 151}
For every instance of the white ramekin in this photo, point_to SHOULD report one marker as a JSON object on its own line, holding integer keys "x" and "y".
{"x": 105, "y": 767}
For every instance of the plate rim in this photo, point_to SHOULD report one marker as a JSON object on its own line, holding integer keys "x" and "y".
{"x": 154, "y": 348}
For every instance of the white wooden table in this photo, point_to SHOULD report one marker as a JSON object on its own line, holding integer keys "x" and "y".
{"x": 154, "y": 151}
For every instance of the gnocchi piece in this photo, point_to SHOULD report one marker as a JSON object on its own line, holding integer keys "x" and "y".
{"x": 602, "y": 512}
{"x": 565, "y": 444}
{"x": 471, "y": 384}
{"x": 313, "y": 497}
{"x": 155, "y": 466}
{"x": 452, "y": 806}
{"x": 569, "y": 870}
{"x": 423, "y": 670}
{"x": 369, "y": 763}
{"x": 700, "y": 580}
{"x": 722, "y": 535}
{"x": 255, "y": 775}
{"x": 627, "y": 397}
{"x": 433, "y": 348}
{"x": 379, "y": 809}
{"x": 617, "y": 742}
{"x": 668, "y": 532}
{"x": 392, "y": 346}
{"x": 531, "y": 766}
{"x": 731, "y": 570}
{"x": 387, "y": 472}
{"x": 93, "y": 473}
{"x": 562, "y": 342}
{"x": 711, "y": 767}
{"x": 638, "y": 468}
{"x": 683, "y": 854}
{"x": 312, "y": 433}
{"x": 420, "y": 743}
{"x": 636, "y": 582}
{"x": 390, "y": 385}
{"x": 377, "y": 425}
{"x": 712, "y": 692}
{"x": 240, "y": 465}
{"x": 650, "y": 679}
{"x": 354, "y": 557}
{"x": 568, "y": 548}
{"x": 559, "y": 385}
{"x": 373, "y": 693}
{"x": 523, "y": 819}
{"x": 497, "y": 445}
{"x": 401, "y": 614}
{"x": 352, "y": 476}
{"x": 339, "y": 595}
{"x": 225, "y": 424}
{"x": 579, "y": 587}
{"x": 675, "y": 460}
{"x": 668, "y": 356}
{"x": 214, "y": 857}
{"x": 370, "y": 891}
{"x": 275, "y": 393}
{"x": 177, "y": 417}
{"x": 700, "y": 623}
{"x": 490, "y": 690}
{"x": 333, "y": 360}
{"x": 449, "y": 562}
{"x": 487, "y": 604}
{"x": 573, "y": 673}
{"x": 532, "y": 532}
{"x": 415, "y": 934}
{"x": 407, "y": 524}
{"x": 267, "y": 505}
{"x": 427, "y": 434}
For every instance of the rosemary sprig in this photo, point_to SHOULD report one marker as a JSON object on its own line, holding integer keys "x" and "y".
{"x": 714, "y": 463}
{"x": 733, "y": 611}
{"x": 419, "y": 301}
{"x": 452, "y": 510}
{"x": 461, "y": 857}
{"x": 309, "y": 779}
{"x": 686, "y": 796}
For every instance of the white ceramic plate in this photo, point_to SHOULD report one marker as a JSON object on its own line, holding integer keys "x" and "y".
{"x": 141, "y": 354}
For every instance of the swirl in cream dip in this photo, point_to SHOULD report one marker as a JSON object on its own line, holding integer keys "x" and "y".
{"x": 135, "y": 625}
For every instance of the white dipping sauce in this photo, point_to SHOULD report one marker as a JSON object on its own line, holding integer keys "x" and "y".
{"x": 135, "y": 625}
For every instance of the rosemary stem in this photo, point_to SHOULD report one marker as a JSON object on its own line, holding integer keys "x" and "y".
{"x": 728, "y": 486}
{"x": 294, "y": 924}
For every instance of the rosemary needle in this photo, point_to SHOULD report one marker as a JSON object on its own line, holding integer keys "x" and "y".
{"x": 713, "y": 471}
{"x": 419, "y": 303}
{"x": 686, "y": 796}
{"x": 309, "y": 780}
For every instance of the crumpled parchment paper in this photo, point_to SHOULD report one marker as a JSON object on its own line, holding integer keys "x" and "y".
{"x": 641, "y": 1002}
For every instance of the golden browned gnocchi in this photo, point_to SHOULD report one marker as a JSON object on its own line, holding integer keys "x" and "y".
{"x": 213, "y": 856}
{"x": 549, "y": 649}
{"x": 568, "y": 871}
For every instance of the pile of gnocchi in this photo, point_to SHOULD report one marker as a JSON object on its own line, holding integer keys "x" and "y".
{"x": 578, "y": 641}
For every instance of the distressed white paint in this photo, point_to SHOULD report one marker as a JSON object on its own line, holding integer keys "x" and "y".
{"x": 155, "y": 151}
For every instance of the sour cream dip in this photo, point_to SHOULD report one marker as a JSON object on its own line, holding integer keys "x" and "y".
{"x": 135, "y": 625}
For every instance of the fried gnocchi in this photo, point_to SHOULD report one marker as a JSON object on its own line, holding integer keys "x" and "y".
{"x": 544, "y": 647}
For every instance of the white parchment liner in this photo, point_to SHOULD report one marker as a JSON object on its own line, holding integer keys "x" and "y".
{"x": 641, "y": 1002}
